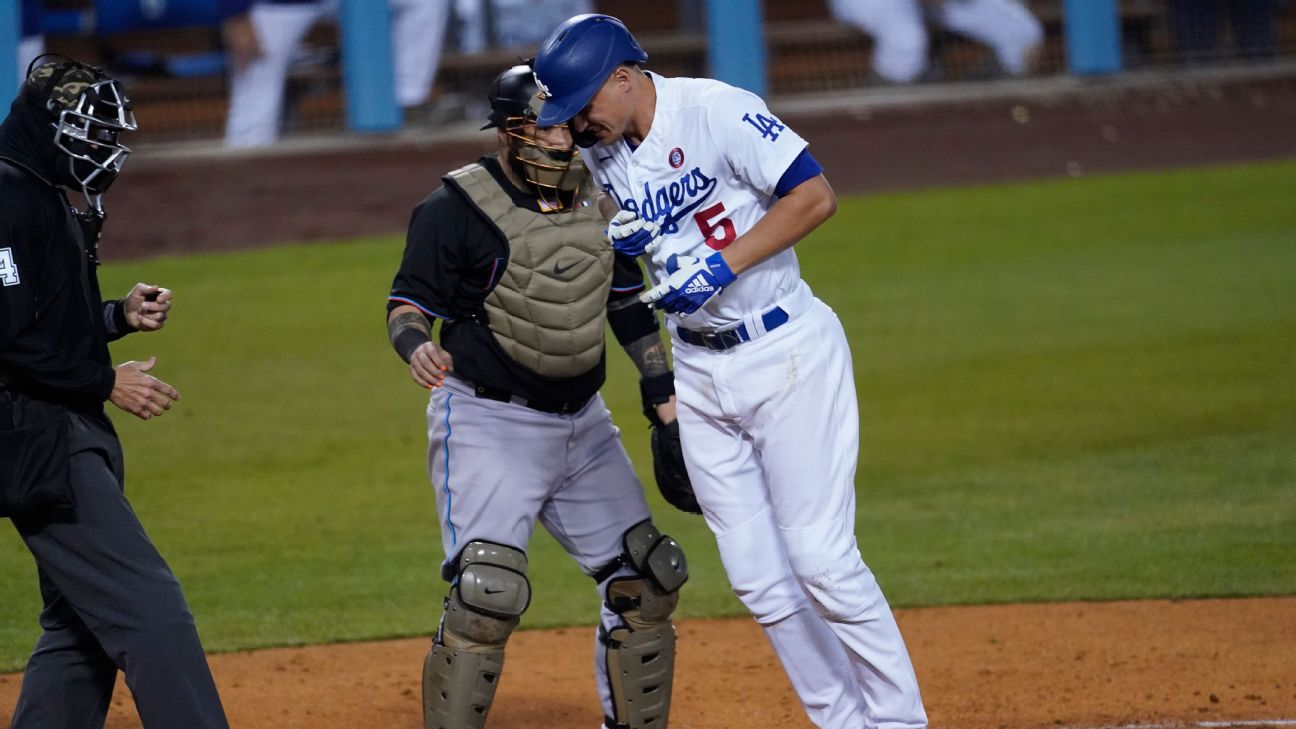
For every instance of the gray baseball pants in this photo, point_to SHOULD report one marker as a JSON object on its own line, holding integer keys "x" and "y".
{"x": 111, "y": 603}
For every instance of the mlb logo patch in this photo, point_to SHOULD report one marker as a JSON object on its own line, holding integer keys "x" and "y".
{"x": 676, "y": 158}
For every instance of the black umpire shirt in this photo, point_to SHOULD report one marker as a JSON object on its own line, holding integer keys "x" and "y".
{"x": 453, "y": 258}
{"x": 54, "y": 327}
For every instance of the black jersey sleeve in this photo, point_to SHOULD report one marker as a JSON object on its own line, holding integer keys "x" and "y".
{"x": 629, "y": 318}
{"x": 431, "y": 266}
{"x": 627, "y": 277}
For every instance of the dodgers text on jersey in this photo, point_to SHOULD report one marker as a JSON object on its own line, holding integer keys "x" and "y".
{"x": 666, "y": 205}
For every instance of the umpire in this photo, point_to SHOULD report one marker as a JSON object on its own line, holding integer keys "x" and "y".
{"x": 110, "y": 600}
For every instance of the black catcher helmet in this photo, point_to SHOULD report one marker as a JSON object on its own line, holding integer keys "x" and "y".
{"x": 88, "y": 110}
{"x": 510, "y": 95}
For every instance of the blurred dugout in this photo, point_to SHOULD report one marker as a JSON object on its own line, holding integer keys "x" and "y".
{"x": 177, "y": 74}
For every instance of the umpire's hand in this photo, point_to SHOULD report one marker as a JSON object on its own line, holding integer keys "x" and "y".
{"x": 429, "y": 365}
{"x": 139, "y": 393}
{"x": 147, "y": 307}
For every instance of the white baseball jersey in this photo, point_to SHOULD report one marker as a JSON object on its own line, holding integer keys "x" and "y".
{"x": 706, "y": 174}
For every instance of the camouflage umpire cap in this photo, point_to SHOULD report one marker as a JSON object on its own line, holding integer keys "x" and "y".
{"x": 66, "y": 89}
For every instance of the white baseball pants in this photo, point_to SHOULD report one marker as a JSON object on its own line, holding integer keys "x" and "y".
{"x": 770, "y": 431}
{"x": 900, "y": 36}
{"x": 257, "y": 92}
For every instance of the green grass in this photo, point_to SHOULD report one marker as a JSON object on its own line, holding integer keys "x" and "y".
{"x": 1075, "y": 389}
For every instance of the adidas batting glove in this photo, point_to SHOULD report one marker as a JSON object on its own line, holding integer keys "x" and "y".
{"x": 631, "y": 234}
{"x": 691, "y": 283}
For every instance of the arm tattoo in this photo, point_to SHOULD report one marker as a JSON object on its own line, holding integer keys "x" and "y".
{"x": 649, "y": 355}
{"x": 408, "y": 320}
{"x": 408, "y": 331}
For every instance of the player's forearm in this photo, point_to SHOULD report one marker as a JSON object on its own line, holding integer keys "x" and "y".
{"x": 656, "y": 381}
{"x": 790, "y": 219}
{"x": 607, "y": 206}
{"x": 635, "y": 327}
{"x": 649, "y": 355}
{"x": 407, "y": 328}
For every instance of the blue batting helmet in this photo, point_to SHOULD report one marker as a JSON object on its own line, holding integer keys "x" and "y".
{"x": 576, "y": 59}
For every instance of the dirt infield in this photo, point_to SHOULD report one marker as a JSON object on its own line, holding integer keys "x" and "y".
{"x": 997, "y": 667}
{"x": 176, "y": 205}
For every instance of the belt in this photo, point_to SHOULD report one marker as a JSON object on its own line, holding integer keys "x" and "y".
{"x": 718, "y": 341}
{"x": 564, "y": 408}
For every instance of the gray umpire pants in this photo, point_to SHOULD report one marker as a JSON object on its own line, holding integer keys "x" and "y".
{"x": 111, "y": 603}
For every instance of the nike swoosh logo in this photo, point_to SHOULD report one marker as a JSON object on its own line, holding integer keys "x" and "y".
{"x": 560, "y": 269}
{"x": 489, "y": 591}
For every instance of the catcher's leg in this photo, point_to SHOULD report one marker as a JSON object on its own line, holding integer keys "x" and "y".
{"x": 641, "y": 645}
{"x": 488, "y": 595}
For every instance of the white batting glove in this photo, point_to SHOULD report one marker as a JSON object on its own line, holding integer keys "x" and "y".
{"x": 691, "y": 283}
{"x": 631, "y": 234}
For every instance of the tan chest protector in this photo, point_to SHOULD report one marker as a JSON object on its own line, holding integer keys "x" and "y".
{"x": 548, "y": 310}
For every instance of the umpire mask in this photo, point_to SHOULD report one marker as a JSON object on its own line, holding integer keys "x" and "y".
{"x": 89, "y": 111}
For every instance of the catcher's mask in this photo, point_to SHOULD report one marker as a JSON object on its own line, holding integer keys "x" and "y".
{"x": 554, "y": 172}
{"x": 88, "y": 112}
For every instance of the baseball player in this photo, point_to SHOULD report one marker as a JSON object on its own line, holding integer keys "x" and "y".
{"x": 900, "y": 37}
{"x": 263, "y": 35}
{"x": 111, "y": 601}
{"x": 713, "y": 190}
{"x": 510, "y": 255}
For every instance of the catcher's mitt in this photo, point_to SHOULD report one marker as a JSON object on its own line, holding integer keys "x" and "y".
{"x": 668, "y": 467}
{"x": 668, "y": 456}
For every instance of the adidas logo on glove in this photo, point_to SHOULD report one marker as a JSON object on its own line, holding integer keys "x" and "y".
{"x": 698, "y": 285}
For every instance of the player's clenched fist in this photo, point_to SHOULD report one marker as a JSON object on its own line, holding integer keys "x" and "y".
{"x": 631, "y": 234}
{"x": 140, "y": 393}
{"x": 429, "y": 364}
{"x": 691, "y": 283}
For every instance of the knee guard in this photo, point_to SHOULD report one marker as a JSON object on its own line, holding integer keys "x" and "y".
{"x": 487, "y": 597}
{"x": 641, "y": 650}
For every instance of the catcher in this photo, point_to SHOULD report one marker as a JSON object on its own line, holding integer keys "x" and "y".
{"x": 512, "y": 257}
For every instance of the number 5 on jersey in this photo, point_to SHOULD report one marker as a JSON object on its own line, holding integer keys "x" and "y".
{"x": 719, "y": 233}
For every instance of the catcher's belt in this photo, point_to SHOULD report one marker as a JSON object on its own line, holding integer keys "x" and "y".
{"x": 569, "y": 407}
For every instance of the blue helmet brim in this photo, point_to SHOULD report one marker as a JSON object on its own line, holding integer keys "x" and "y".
{"x": 575, "y": 61}
{"x": 559, "y": 109}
